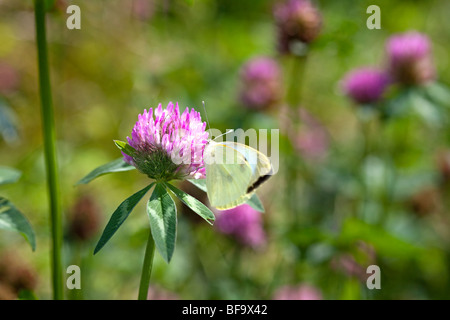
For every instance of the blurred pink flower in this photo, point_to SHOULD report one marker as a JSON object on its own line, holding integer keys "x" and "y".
{"x": 243, "y": 223}
{"x": 9, "y": 78}
{"x": 261, "y": 83}
{"x": 409, "y": 58}
{"x": 312, "y": 140}
{"x": 297, "y": 20}
{"x": 347, "y": 264}
{"x": 350, "y": 266}
{"x": 157, "y": 293}
{"x": 143, "y": 9}
{"x": 298, "y": 292}
{"x": 15, "y": 275}
{"x": 168, "y": 145}
{"x": 365, "y": 85}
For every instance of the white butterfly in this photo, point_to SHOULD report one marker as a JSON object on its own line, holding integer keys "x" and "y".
{"x": 233, "y": 172}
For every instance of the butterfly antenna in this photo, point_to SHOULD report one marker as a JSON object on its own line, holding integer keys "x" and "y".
{"x": 206, "y": 115}
{"x": 230, "y": 130}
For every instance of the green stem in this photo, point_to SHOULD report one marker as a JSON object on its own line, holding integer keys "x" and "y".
{"x": 365, "y": 138}
{"x": 386, "y": 146}
{"x": 364, "y": 131}
{"x": 147, "y": 268}
{"x": 294, "y": 67}
{"x": 297, "y": 70}
{"x": 48, "y": 126}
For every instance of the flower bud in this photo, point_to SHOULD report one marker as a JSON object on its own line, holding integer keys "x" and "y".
{"x": 84, "y": 219}
{"x": 443, "y": 164}
{"x": 297, "y": 20}
{"x": 15, "y": 275}
{"x": 425, "y": 202}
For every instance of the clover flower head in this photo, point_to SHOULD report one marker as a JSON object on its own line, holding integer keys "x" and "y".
{"x": 297, "y": 20}
{"x": 243, "y": 223}
{"x": 166, "y": 144}
{"x": 261, "y": 83}
{"x": 365, "y": 85}
{"x": 409, "y": 58}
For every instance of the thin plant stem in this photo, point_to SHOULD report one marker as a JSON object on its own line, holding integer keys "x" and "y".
{"x": 147, "y": 268}
{"x": 48, "y": 127}
{"x": 294, "y": 89}
{"x": 364, "y": 131}
{"x": 294, "y": 69}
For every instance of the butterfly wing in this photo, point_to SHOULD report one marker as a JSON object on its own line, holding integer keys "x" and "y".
{"x": 233, "y": 172}
{"x": 259, "y": 163}
{"x": 228, "y": 175}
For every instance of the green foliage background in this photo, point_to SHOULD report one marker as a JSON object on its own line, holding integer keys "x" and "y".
{"x": 105, "y": 74}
